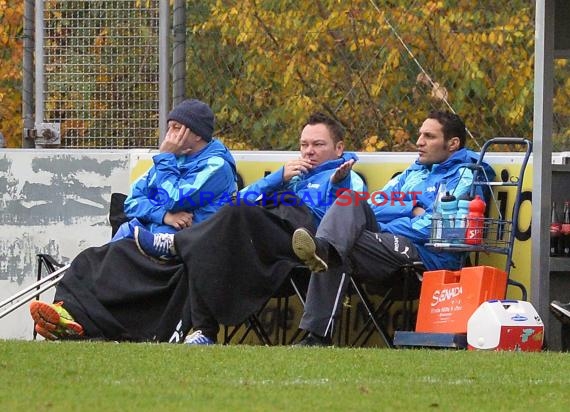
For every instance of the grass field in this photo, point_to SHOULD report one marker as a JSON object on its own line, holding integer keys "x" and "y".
{"x": 73, "y": 376}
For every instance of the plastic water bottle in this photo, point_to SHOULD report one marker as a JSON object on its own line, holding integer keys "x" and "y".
{"x": 475, "y": 221}
{"x": 461, "y": 217}
{"x": 436, "y": 216}
{"x": 462, "y": 211}
{"x": 448, "y": 211}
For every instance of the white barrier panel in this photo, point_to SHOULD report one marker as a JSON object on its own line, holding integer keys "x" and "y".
{"x": 54, "y": 202}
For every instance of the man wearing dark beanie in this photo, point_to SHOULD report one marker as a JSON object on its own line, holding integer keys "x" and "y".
{"x": 195, "y": 115}
{"x": 188, "y": 182}
{"x": 167, "y": 198}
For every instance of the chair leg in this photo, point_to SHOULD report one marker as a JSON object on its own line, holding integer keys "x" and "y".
{"x": 379, "y": 313}
{"x": 406, "y": 299}
{"x": 50, "y": 265}
{"x": 230, "y": 332}
{"x": 285, "y": 318}
{"x": 301, "y": 298}
{"x": 371, "y": 314}
{"x": 253, "y": 323}
{"x": 38, "y": 277}
{"x": 259, "y": 331}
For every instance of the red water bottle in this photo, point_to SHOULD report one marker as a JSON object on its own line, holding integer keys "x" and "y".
{"x": 475, "y": 221}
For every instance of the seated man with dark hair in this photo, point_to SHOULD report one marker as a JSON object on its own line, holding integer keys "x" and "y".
{"x": 373, "y": 240}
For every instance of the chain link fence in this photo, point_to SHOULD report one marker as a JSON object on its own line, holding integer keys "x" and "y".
{"x": 377, "y": 66}
{"x": 101, "y": 72}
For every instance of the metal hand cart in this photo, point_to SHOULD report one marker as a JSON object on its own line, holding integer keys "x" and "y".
{"x": 498, "y": 234}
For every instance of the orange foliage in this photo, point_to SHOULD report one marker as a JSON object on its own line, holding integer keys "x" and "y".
{"x": 11, "y": 18}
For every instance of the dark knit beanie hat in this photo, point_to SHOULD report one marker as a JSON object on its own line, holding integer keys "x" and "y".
{"x": 195, "y": 115}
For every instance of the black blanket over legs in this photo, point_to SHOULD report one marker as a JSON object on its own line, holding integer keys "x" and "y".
{"x": 239, "y": 258}
{"x": 117, "y": 293}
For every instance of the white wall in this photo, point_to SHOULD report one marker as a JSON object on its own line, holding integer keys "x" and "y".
{"x": 54, "y": 202}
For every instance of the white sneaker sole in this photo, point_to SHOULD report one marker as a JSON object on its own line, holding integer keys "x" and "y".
{"x": 305, "y": 248}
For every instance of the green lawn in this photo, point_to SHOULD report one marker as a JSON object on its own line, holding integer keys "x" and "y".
{"x": 87, "y": 376}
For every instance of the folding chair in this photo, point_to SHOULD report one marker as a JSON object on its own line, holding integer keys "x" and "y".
{"x": 275, "y": 333}
{"x": 407, "y": 292}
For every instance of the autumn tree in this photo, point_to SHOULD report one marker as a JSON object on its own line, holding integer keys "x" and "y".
{"x": 376, "y": 66}
{"x": 11, "y": 71}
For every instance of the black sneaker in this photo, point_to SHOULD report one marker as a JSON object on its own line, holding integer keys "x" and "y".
{"x": 561, "y": 310}
{"x": 312, "y": 251}
{"x": 314, "y": 340}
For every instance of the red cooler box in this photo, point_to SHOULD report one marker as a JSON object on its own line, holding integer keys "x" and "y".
{"x": 505, "y": 325}
{"x": 448, "y": 298}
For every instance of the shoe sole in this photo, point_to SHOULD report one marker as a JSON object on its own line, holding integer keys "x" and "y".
{"x": 560, "y": 310}
{"x": 199, "y": 343}
{"x": 201, "y": 340}
{"x": 45, "y": 333}
{"x": 48, "y": 319}
{"x": 136, "y": 236}
{"x": 305, "y": 248}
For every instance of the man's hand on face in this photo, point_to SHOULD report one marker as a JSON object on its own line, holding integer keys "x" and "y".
{"x": 175, "y": 141}
{"x": 295, "y": 167}
{"x": 178, "y": 220}
{"x": 342, "y": 171}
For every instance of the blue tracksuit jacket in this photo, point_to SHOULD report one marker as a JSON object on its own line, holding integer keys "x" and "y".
{"x": 200, "y": 183}
{"x": 314, "y": 188}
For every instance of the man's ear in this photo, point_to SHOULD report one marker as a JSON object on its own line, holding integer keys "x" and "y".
{"x": 339, "y": 149}
{"x": 453, "y": 144}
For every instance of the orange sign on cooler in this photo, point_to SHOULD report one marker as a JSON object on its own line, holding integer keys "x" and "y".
{"x": 448, "y": 298}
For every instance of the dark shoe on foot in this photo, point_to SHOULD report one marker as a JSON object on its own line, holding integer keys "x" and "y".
{"x": 314, "y": 340}
{"x": 561, "y": 310}
{"x": 155, "y": 245}
{"x": 312, "y": 251}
